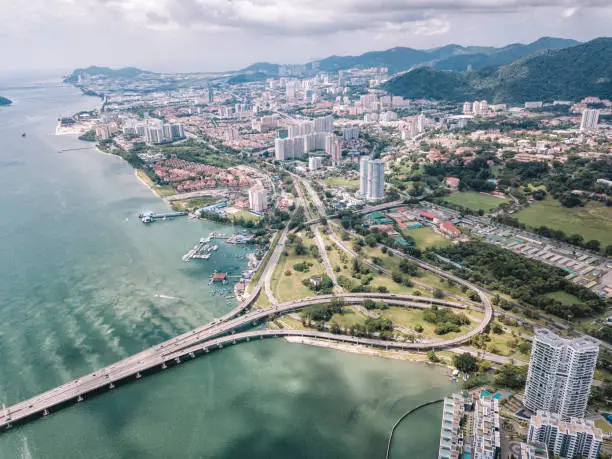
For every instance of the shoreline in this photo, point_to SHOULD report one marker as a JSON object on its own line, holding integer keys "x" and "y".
{"x": 364, "y": 350}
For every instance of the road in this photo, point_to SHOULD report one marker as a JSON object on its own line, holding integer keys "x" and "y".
{"x": 212, "y": 334}
{"x": 315, "y": 230}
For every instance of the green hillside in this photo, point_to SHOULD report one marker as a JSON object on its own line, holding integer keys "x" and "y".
{"x": 126, "y": 72}
{"x": 569, "y": 73}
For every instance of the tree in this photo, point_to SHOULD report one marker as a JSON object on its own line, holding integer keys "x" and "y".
{"x": 408, "y": 267}
{"x": 431, "y": 355}
{"x": 465, "y": 362}
{"x": 511, "y": 376}
{"x": 370, "y": 239}
{"x": 418, "y": 328}
{"x": 593, "y": 245}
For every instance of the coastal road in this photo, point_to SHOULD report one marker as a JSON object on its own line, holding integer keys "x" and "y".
{"x": 213, "y": 334}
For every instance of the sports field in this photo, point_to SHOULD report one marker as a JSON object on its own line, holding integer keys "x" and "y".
{"x": 475, "y": 201}
{"x": 593, "y": 221}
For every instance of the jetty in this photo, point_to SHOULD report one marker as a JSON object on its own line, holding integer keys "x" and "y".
{"x": 203, "y": 250}
{"x": 150, "y": 217}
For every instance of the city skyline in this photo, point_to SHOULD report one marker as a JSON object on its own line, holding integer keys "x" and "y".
{"x": 252, "y": 31}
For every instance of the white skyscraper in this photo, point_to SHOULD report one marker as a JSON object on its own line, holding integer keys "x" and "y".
{"x": 258, "y": 200}
{"x": 363, "y": 175}
{"x": 467, "y": 108}
{"x": 376, "y": 180}
{"x": 590, "y": 118}
{"x": 560, "y": 374}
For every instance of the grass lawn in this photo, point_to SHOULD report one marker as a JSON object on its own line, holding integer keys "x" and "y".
{"x": 350, "y": 317}
{"x": 341, "y": 181}
{"x": 603, "y": 425}
{"x": 593, "y": 221}
{"x": 566, "y": 298}
{"x": 426, "y": 237}
{"x": 290, "y": 287}
{"x": 475, "y": 201}
{"x": 409, "y": 318}
{"x": 246, "y": 215}
{"x": 195, "y": 203}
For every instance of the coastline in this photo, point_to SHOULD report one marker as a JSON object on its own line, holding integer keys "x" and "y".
{"x": 364, "y": 350}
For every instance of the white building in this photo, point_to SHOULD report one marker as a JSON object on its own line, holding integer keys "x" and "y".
{"x": 534, "y": 450}
{"x": 258, "y": 199}
{"x": 451, "y": 441}
{"x": 467, "y": 108}
{"x": 487, "y": 441}
{"x": 333, "y": 147}
{"x": 589, "y": 121}
{"x": 560, "y": 374}
{"x": 286, "y": 149}
{"x": 350, "y": 133}
{"x": 376, "y": 180}
{"x": 314, "y": 163}
{"x": 363, "y": 175}
{"x": 566, "y": 439}
{"x": 388, "y": 116}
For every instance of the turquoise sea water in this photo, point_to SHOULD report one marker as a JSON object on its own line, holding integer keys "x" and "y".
{"x": 84, "y": 283}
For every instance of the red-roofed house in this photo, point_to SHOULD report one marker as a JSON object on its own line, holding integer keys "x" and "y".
{"x": 449, "y": 229}
{"x": 428, "y": 215}
{"x": 452, "y": 183}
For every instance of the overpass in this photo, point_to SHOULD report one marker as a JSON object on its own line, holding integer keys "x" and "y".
{"x": 216, "y": 334}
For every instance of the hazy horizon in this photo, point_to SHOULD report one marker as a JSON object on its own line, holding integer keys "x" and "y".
{"x": 219, "y": 35}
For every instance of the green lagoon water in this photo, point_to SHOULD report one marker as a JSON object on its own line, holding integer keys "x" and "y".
{"x": 83, "y": 283}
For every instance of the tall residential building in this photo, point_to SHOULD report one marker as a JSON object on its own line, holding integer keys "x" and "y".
{"x": 560, "y": 374}
{"x": 324, "y": 124}
{"x": 566, "y": 439}
{"x": 421, "y": 123}
{"x": 350, "y": 133}
{"x": 258, "y": 200}
{"x": 376, "y": 180}
{"x": 336, "y": 151}
{"x": 467, "y": 108}
{"x": 363, "y": 175}
{"x": 589, "y": 121}
{"x": 314, "y": 163}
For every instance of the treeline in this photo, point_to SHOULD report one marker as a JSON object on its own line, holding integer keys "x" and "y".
{"x": 526, "y": 280}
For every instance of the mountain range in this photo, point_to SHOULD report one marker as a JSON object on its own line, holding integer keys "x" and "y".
{"x": 449, "y": 57}
{"x": 569, "y": 73}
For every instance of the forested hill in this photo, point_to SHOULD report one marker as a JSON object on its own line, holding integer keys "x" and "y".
{"x": 5, "y": 101}
{"x": 126, "y": 72}
{"x": 449, "y": 57}
{"x": 571, "y": 73}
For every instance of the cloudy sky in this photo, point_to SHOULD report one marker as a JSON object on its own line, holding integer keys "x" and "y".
{"x": 210, "y": 35}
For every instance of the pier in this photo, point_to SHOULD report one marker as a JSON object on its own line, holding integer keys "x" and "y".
{"x": 202, "y": 250}
{"x": 150, "y": 217}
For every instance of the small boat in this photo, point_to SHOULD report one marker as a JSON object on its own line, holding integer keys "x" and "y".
{"x": 23, "y": 135}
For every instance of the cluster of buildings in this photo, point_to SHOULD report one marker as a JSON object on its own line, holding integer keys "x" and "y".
{"x": 556, "y": 394}
{"x": 470, "y": 427}
{"x": 187, "y": 176}
{"x": 582, "y": 267}
{"x": 309, "y": 136}
{"x": 371, "y": 178}
{"x": 154, "y": 131}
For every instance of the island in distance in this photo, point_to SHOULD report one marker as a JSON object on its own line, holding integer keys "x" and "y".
{"x": 5, "y": 101}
